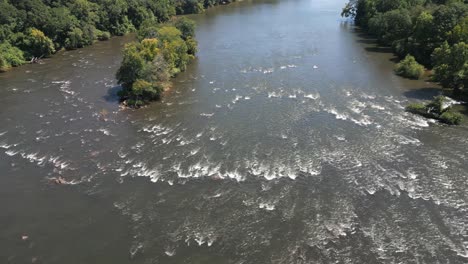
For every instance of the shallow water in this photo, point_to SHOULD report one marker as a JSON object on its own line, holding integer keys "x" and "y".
{"x": 285, "y": 141}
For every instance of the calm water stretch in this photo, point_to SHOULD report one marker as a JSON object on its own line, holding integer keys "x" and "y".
{"x": 285, "y": 141}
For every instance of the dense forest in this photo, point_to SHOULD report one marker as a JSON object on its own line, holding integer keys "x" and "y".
{"x": 433, "y": 33}
{"x": 38, "y": 28}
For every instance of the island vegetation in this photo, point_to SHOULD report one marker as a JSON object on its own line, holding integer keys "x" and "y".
{"x": 433, "y": 33}
{"x": 163, "y": 51}
{"x": 439, "y": 108}
{"x": 33, "y": 29}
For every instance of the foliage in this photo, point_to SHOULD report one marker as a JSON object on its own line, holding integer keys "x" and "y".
{"x": 434, "y": 32}
{"x": 148, "y": 65}
{"x": 10, "y": 56}
{"x": 34, "y": 43}
{"x": 437, "y": 109}
{"x": 419, "y": 109}
{"x": 451, "y": 118}
{"x": 409, "y": 68}
{"x": 451, "y": 65}
{"x": 41, "y": 27}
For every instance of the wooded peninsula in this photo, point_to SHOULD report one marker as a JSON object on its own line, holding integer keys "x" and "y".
{"x": 424, "y": 33}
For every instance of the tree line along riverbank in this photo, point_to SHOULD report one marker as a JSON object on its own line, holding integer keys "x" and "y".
{"x": 430, "y": 34}
{"x": 34, "y": 29}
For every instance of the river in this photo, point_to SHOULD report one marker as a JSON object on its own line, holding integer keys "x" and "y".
{"x": 285, "y": 141}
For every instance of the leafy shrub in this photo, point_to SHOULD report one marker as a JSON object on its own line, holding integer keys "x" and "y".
{"x": 10, "y": 56}
{"x": 409, "y": 68}
{"x": 451, "y": 118}
{"x": 417, "y": 108}
{"x": 103, "y": 35}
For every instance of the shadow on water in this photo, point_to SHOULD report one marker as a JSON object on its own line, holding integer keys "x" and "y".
{"x": 425, "y": 93}
{"x": 111, "y": 95}
{"x": 379, "y": 49}
{"x": 374, "y": 46}
{"x": 365, "y": 38}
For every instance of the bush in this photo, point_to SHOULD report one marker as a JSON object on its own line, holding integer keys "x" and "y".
{"x": 417, "y": 108}
{"x": 103, "y": 35}
{"x": 409, "y": 68}
{"x": 10, "y": 56}
{"x": 451, "y": 118}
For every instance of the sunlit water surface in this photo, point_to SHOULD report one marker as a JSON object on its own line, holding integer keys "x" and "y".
{"x": 285, "y": 141}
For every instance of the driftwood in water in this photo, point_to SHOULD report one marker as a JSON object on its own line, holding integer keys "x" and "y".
{"x": 36, "y": 59}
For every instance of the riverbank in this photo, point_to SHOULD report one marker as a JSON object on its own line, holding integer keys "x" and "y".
{"x": 33, "y": 30}
{"x": 426, "y": 33}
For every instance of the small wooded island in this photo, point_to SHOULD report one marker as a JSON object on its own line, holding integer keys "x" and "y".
{"x": 163, "y": 51}
{"x": 426, "y": 33}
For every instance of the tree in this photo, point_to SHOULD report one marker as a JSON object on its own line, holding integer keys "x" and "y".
{"x": 35, "y": 43}
{"x": 460, "y": 32}
{"x": 186, "y": 27}
{"x": 391, "y": 26}
{"x": 75, "y": 39}
{"x": 451, "y": 65}
{"x": 409, "y": 68}
{"x": 131, "y": 67}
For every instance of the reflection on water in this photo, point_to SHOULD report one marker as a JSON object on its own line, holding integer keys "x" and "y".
{"x": 286, "y": 141}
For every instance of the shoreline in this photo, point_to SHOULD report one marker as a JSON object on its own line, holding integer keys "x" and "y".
{"x": 38, "y": 60}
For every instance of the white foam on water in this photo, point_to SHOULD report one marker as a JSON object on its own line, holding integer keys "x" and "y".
{"x": 376, "y": 106}
{"x": 267, "y": 206}
{"x": 293, "y": 96}
{"x": 170, "y": 252}
{"x": 135, "y": 249}
{"x": 364, "y": 121}
{"x": 5, "y": 145}
{"x": 194, "y": 151}
{"x": 207, "y": 114}
{"x": 312, "y": 96}
{"x": 65, "y": 87}
{"x": 158, "y": 130}
{"x": 105, "y": 131}
{"x": 411, "y": 174}
{"x": 3, "y": 133}
{"x": 406, "y": 140}
{"x": 367, "y": 96}
{"x": 238, "y": 97}
{"x": 341, "y": 138}
{"x": 273, "y": 95}
{"x": 341, "y": 116}
{"x": 357, "y": 106}
{"x": 11, "y": 152}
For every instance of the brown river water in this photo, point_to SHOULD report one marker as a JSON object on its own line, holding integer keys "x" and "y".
{"x": 285, "y": 141}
